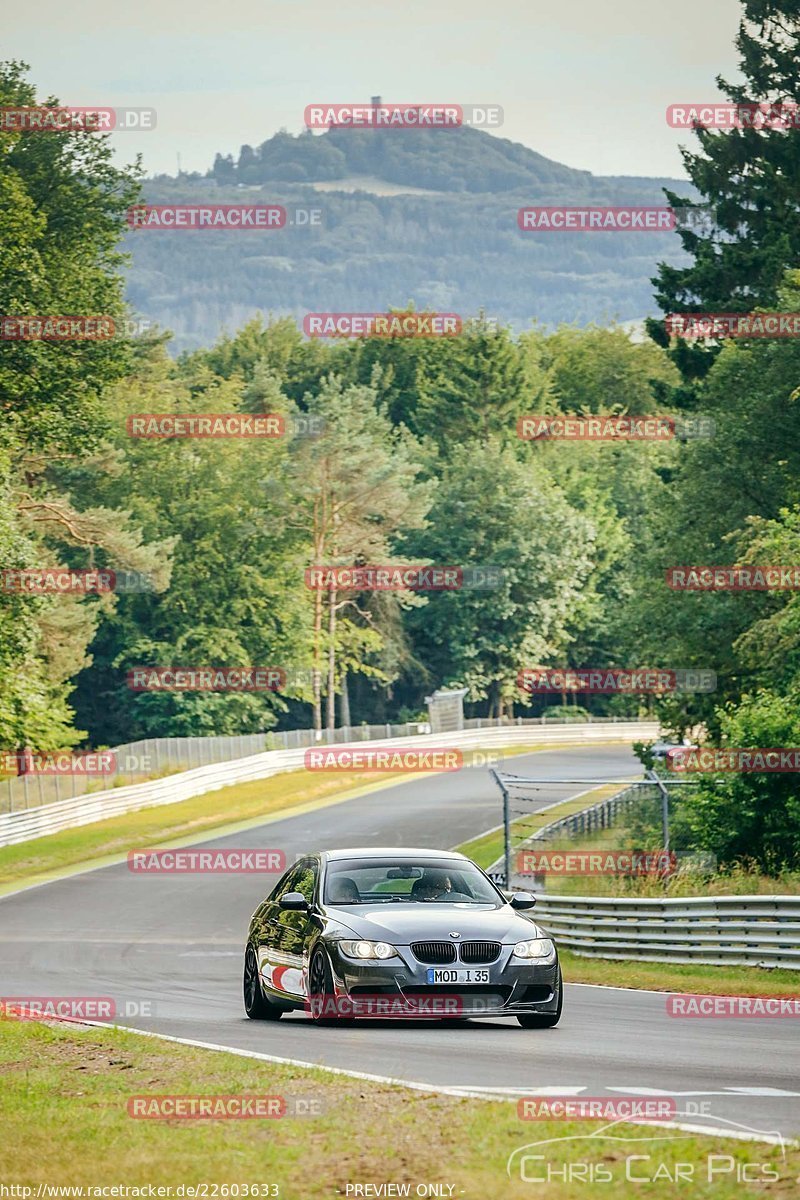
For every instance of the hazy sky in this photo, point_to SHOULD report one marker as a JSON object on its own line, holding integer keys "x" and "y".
{"x": 582, "y": 82}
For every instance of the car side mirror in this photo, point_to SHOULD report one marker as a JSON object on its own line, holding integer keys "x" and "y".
{"x": 294, "y": 902}
{"x": 522, "y": 900}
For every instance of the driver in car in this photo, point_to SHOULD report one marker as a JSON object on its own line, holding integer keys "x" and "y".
{"x": 432, "y": 885}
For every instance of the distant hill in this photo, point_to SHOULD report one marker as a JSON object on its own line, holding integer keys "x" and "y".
{"x": 450, "y": 242}
{"x": 448, "y": 160}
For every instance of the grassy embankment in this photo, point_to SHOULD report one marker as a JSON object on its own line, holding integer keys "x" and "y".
{"x": 65, "y": 1119}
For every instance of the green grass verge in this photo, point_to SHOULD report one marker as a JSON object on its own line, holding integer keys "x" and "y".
{"x": 105, "y": 842}
{"x": 737, "y": 881}
{"x": 679, "y": 977}
{"x": 64, "y": 1112}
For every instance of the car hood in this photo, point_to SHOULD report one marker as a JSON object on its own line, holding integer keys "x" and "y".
{"x": 404, "y": 923}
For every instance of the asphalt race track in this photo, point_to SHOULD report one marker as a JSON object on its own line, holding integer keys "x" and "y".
{"x": 174, "y": 943}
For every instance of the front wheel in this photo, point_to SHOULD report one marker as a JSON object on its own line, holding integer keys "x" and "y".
{"x": 322, "y": 1002}
{"x": 545, "y": 1020}
{"x": 257, "y": 1007}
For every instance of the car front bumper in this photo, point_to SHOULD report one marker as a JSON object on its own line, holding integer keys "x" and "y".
{"x": 515, "y": 986}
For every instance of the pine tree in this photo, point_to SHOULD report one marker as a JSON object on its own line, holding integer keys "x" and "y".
{"x": 474, "y": 387}
{"x": 750, "y": 179}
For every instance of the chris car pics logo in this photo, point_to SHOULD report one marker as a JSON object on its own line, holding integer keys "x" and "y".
{"x": 621, "y": 1152}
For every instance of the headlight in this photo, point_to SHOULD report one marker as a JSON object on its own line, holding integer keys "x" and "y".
{"x": 538, "y": 948}
{"x": 367, "y": 949}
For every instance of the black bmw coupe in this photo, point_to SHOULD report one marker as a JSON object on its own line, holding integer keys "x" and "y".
{"x": 398, "y": 932}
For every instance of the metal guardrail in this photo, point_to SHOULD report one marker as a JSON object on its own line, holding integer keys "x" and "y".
{"x": 762, "y": 931}
{"x": 98, "y": 806}
{"x": 716, "y": 930}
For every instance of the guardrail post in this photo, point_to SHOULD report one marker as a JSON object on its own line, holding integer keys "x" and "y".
{"x": 651, "y": 775}
{"x": 506, "y": 826}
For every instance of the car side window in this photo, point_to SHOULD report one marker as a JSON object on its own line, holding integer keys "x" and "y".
{"x": 307, "y": 881}
{"x": 287, "y": 883}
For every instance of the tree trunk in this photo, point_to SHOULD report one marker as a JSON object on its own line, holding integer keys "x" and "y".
{"x": 331, "y": 698}
{"x": 344, "y": 703}
{"x": 316, "y": 669}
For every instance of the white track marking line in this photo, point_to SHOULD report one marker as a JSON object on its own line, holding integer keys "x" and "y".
{"x": 553, "y": 1090}
{"x": 725, "y": 1091}
{"x": 442, "y": 1090}
{"x": 210, "y": 954}
{"x": 612, "y": 987}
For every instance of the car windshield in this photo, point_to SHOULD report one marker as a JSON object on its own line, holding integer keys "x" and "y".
{"x": 408, "y": 881}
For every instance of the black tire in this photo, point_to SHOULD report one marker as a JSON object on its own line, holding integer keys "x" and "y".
{"x": 320, "y": 991}
{"x": 544, "y": 1020}
{"x": 256, "y": 1005}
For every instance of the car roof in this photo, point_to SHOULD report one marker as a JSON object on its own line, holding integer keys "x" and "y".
{"x": 391, "y": 852}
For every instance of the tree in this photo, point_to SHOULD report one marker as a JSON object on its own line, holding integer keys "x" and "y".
{"x": 617, "y": 486}
{"x": 474, "y": 387}
{"x": 33, "y": 699}
{"x": 595, "y": 370}
{"x": 771, "y": 645}
{"x": 491, "y": 510}
{"x": 358, "y": 486}
{"x": 218, "y": 510}
{"x": 224, "y": 170}
{"x": 61, "y": 218}
{"x": 750, "y": 179}
{"x": 749, "y": 469}
{"x": 278, "y": 346}
{"x": 751, "y": 816}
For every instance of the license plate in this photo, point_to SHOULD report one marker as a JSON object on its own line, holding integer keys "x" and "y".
{"x": 452, "y": 975}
